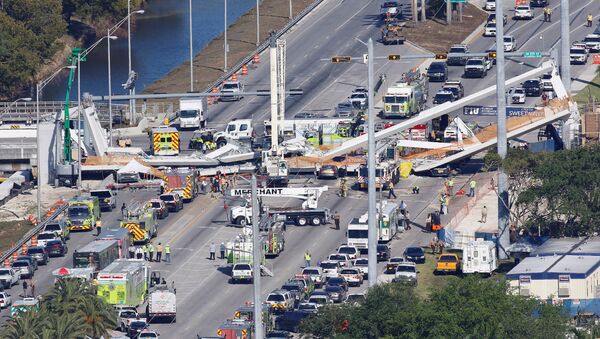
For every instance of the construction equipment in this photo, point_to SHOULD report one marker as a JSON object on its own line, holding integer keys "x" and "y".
{"x": 203, "y": 140}
{"x": 83, "y": 213}
{"x": 124, "y": 282}
{"x": 164, "y": 140}
{"x": 141, "y": 222}
{"x": 308, "y": 214}
{"x": 72, "y": 60}
{"x": 275, "y": 167}
{"x": 183, "y": 180}
{"x": 391, "y": 33}
{"x": 406, "y": 97}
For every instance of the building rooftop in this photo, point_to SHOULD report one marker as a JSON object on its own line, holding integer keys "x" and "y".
{"x": 572, "y": 246}
{"x": 550, "y": 267}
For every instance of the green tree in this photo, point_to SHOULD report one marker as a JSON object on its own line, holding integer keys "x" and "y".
{"x": 99, "y": 317}
{"x": 564, "y": 192}
{"x": 466, "y": 308}
{"x": 28, "y": 325}
{"x": 43, "y": 18}
{"x": 68, "y": 294}
{"x": 67, "y": 326}
{"x": 19, "y": 60}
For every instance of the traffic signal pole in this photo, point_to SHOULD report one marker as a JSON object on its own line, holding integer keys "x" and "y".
{"x": 372, "y": 222}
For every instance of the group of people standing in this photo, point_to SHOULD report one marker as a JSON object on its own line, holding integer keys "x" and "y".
{"x": 148, "y": 250}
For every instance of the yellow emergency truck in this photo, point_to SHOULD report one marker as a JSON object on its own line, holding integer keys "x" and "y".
{"x": 141, "y": 221}
{"x": 83, "y": 213}
{"x": 164, "y": 140}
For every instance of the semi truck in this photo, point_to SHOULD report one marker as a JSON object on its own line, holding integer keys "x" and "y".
{"x": 389, "y": 221}
{"x": 162, "y": 304}
{"x": 141, "y": 221}
{"x": 83, "y": 213}
{"x": 97, "y": 254}
{"x": 124, "y": 282}
{"x": 406, "y": 97}
{"x": 308, "y": 214}
{"x": 164, "y": 140}
{"x": 191, "y": 113}
{"x": 184, "y": 180}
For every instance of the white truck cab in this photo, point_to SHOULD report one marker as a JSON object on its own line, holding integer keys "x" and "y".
{"x": 237, "y": 129}
{"x": 241, "y": 272}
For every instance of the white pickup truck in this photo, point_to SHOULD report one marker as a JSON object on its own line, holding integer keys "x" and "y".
{"x": 241, "y": 272}
{"x": 9, "y": 277}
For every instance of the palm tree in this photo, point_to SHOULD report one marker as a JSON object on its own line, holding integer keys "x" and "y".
{"x": 67, "y": 326}
{"x": 99, "y": 317}
{"x": 27, "y": 325}
{"x": 68, "y": 294}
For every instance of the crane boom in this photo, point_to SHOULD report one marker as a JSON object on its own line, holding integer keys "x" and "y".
{"x": 67, "y": 154}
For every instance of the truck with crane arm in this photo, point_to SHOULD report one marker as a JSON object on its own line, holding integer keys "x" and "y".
{"x": 308, "y": 214}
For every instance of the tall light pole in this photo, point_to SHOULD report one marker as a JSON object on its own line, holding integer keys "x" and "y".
{"x": 257, "y": 22}
{"x": 503, "y": 212}
{"x": 225, "y": 37}
{"x": 256, "y": 261}
{"x": 79, "y": 124}
{"x": 110, "y": 32}
{"x": 565, "y": 61}
{"x": 372, "y": 222}
{"x": 38, "y": 91}
{"x": 290, "y": 10}
{"x": 191, "y": 53}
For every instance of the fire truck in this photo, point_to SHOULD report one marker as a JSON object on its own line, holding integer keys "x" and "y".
{"x": 406, "y": 97}
{"x": 184, "y": 181}
{"x": 141, "y": 223}
{"x": 386, "y": 172}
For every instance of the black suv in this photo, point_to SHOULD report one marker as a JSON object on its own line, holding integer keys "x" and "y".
{"x": 533, "y": 88}
{"x": 437, "y": 71}
{"x": 415, "y": 254}
{"x": 383, "y": 252}
{"x": 538, "y": 3}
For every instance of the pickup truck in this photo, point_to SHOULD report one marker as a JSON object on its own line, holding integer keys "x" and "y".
{"x": 106, "y": 198}
{"x": 9, "y": 277}
{"x": 448, "y": 263}
{"x": 241, "y": 272}
{"x": 232, "y": 88}
{"x": 476, "y": 67}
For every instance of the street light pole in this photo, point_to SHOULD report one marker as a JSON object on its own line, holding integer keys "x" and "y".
{"x": 110, "y": 126}
{"x": 37, "y": 136}
{"x": 225, "y": 37}
{"x": 132, "y": 101}
{"x": 256, "y": 261}
{"x": 503, "y": 212}
{"x": 79, "y": 124}
{"x": 565, "y": 61}
{"x": 290, "y": 10}
{"x": 372, "y": 222}
{"x": 257, "y": 22}
{"x": 191, "y": 53}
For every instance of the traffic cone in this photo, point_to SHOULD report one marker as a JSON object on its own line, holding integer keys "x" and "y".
{"x": 256, "y": 59}
{"x": 166, "y": 122}
{"x": 24, "y": 249}
{"x": 6, "y": 263}
{"x": 215, "y": 98}
{"x": 244, "y": 70}
{"x": 234, "y": 77}
{"x": 460, "y": 193}
{"x": 15, "y": 255}
{"x": 34, "y": 241}
{"x": 208, "y": 101}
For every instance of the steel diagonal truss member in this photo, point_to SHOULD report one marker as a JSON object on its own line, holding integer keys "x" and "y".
{"x": 437, "y": 111}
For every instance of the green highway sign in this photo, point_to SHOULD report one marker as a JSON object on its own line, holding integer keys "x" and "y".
{"x": 532, "y": 54}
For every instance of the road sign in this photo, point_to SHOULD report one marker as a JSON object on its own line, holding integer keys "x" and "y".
{"x": 511, "y": 111}
{"x": 365, "y": 58}
{"x": 338, "y": 59}
{"x": 532, "y": 54}
{"x": 394, "y": 57}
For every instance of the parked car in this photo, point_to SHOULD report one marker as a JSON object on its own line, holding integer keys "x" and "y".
{"x": 280, "y": 301}
{"x": 337, "y": 294}
{"x": 538, "y": 3}
{"x": 406, "y": 272}
{"x": 344, "y": 110}
{"x": 390, "y": 267}
{"x": 124, "y": 317}
{"x": 489, "y": 29}
{"x": 136, "y": 326}
{"x": 523, "y": 12}
{"x": 490, "y": 5}
{"x": 290, "y": 320}
{"x": 5, "y": 300}
{"x": 9, "y": 277}
{"x": 330, "y": 268}
{"x": 354, "y": 298}
{"x": 25, "y": 267}
{"x": 352, "y": 275}
{"x": 578, "y": 55}
{"x": 351, "y": 251}
{"x": 592, "y": 42}
{"x": 31, "y": 260}
{"x": 458, "y": 60}
{"x": 315, "y": 274}
{"x": 305, "y": 282}
{"x": 443, "y": 96}
{"x": 448, "y": 263}
{"x": 309, "y": 307}
{"x": 383, "y": 252}
{"x": 533, "y": 88}
{"x": 242, "y": 272}
{"x": 162, "y": 211}
{"x": 320, "y": 298}
{"x": 437, "y": 71}
{"x": 415, "y": 254}
{"x": 339, "y": 281}
{"x": 148, "y": 334}
{"x": 363, "y": 266}
{"x": 359, "y": 99}
{"x": 296, "y": 290}
{"x": 233, "y": 90}
{"x": 59, "y": 227}
{"x": 44, "y": 237}
{"x": 173, "y": 201}
{"x": 510, "y": 44}
{"x": 56, "y": 248}
{"x": 39, "y": 253}
{"x": 343, "y": 259}
{"x": 492, "y": 18}
{"x": 328, "y": 172}
{"x": 517, "y": 95}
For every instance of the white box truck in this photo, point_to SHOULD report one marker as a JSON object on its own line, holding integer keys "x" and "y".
{"x": 479, "y": 256}
{"x": 191, "y": 113}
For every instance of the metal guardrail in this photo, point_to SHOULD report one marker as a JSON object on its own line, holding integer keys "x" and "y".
{"x": 32, "y": 232}
{"x": 263, "y": 46}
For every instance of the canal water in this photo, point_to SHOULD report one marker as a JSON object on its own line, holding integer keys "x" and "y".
{"x": 159, "y": 43}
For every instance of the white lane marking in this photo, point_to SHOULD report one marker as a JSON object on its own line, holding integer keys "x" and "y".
{"x": 355, "y": 14}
